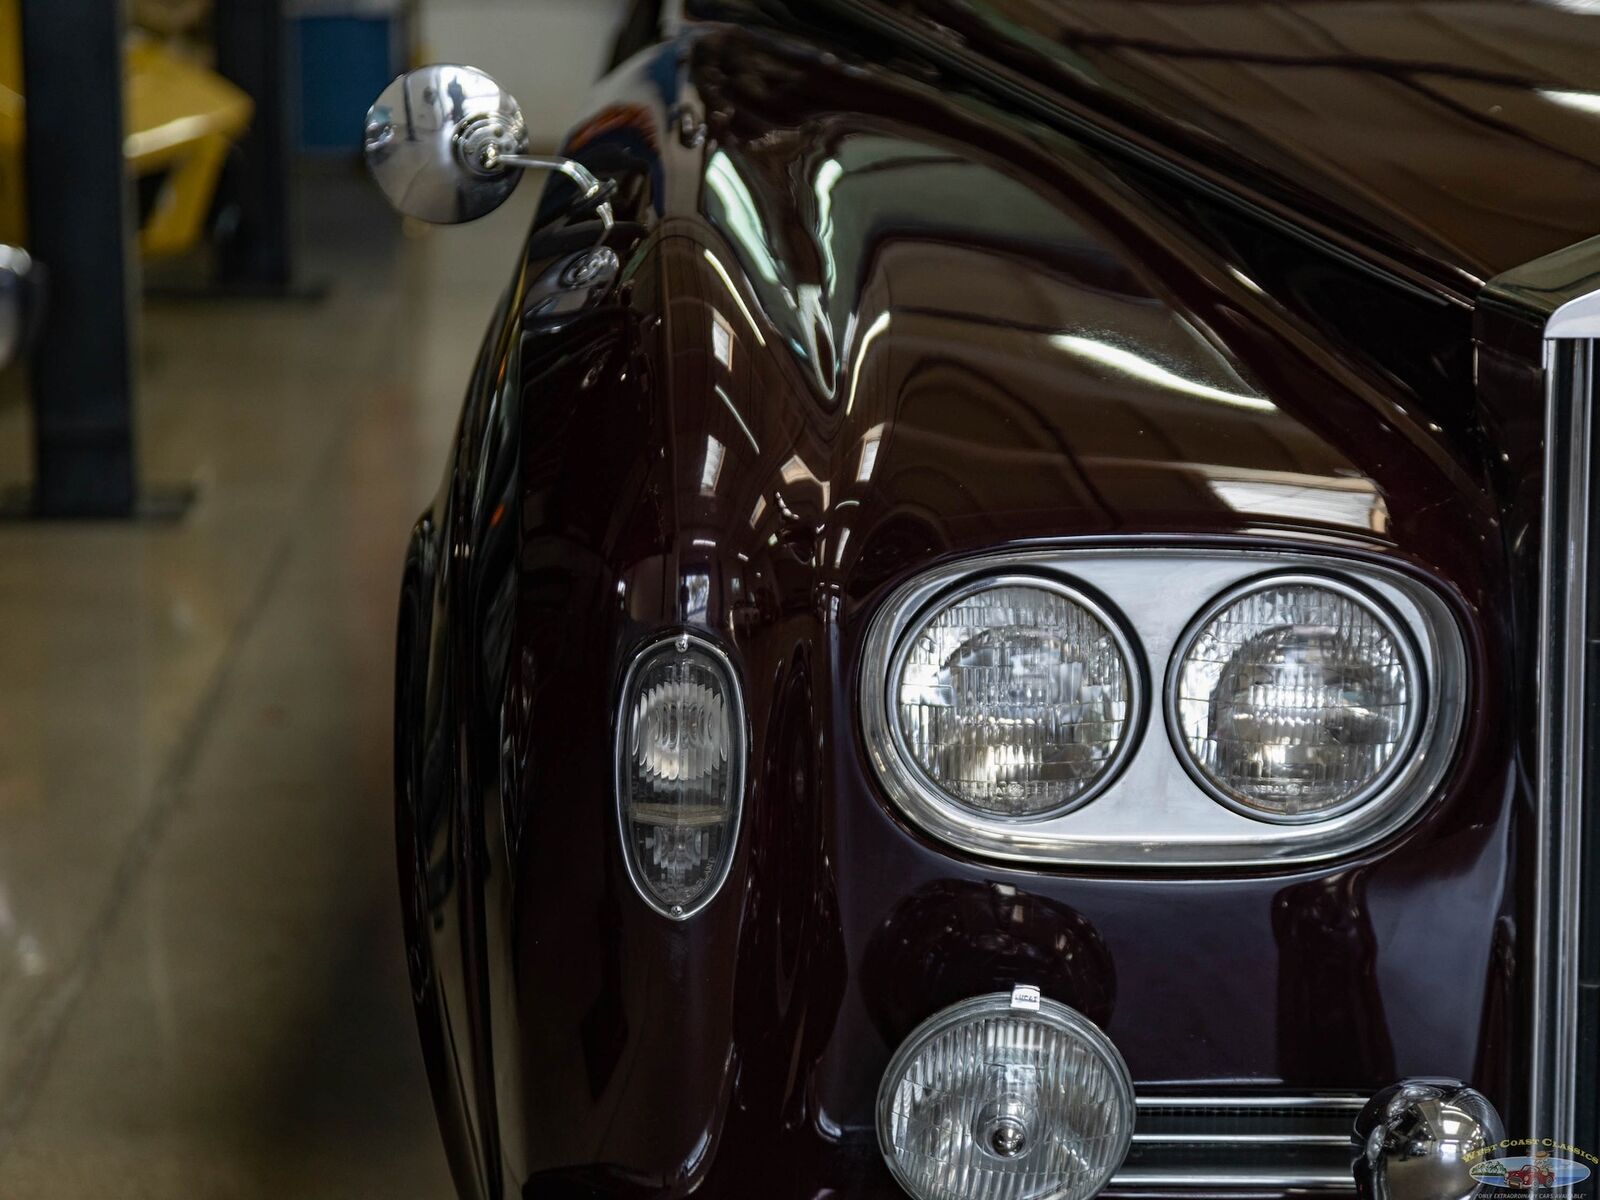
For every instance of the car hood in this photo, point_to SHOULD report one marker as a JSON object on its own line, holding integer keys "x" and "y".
{"x": 1464, "y": 138}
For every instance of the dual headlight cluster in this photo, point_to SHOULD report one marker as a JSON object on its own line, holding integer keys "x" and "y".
{"x": 1291, "y": 698}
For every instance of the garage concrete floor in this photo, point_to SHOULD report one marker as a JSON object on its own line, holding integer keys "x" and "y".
{"x": 202, "y": 990}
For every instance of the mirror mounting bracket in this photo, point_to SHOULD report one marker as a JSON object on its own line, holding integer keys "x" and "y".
{"x": 492, "y": 158}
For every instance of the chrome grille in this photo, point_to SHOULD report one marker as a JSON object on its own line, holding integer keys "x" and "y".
{"x": 1241, "y": 1141}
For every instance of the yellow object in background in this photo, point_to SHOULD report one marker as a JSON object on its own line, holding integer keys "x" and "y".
{"x": 169, "y": 16}
{"x": 13, "y": 206}
{"x": 180, "y": 117}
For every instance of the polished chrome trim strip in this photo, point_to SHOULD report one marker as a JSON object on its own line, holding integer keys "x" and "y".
{"x": 1352, "y": 1102}
{"x": 1418, "y": 699}
{"x": 1563, "y": 611}
{"x": 1245, "y": 1178}
{"x": 1255, "y": 1177}
{"x": 1241, "y": 1139}
{"x": 1153, "y": 815}
{"x": 911, "y": 774}
{"x": 738, "y": 757}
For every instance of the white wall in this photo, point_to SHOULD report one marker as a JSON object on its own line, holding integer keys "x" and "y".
{"x": 547, "y": 53}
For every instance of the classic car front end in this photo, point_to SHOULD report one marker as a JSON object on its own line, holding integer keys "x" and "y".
{"x": 991, "y": 634}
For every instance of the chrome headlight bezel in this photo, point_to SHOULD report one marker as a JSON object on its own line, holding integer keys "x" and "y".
{"x": 1152, "y": 814}
{"x": 1411, "y": 660}
{"x": 911, "y": 774}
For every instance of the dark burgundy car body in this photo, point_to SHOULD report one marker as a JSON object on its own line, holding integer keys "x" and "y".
{"x": 1318, "y": 194}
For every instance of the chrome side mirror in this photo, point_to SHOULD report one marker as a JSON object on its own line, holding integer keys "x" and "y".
{"x": 447, "y": 144}
{"x": 433, "y": 138}
{"x": 1418, "y": 1140}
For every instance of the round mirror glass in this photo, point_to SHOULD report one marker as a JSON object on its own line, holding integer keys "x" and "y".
{"x": 431, "y": 140}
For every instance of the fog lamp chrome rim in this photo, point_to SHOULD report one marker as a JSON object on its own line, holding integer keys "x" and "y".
{"x": 910, "y": 772}
{"x": 1001, "y": 1126}
{"x": 1419, "y": 697}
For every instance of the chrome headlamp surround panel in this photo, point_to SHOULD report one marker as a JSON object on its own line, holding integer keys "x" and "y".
{"x": 1150, "y": 812}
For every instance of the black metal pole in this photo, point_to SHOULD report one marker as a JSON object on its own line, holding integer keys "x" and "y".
{"x": 80, "y": 230}
{"x": 250, "y": 39}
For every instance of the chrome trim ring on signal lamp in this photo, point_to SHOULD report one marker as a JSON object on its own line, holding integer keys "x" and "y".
{"x": 1416, "y": 692}
{"x": 939, "y": 804}
{"x": 738, "y": 753}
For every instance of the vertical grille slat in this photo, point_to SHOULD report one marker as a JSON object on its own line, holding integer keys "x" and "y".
{"x": 1567, "y": 547}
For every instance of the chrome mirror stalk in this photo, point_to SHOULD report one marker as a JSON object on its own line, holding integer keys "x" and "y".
{"x": 579, "y": 174}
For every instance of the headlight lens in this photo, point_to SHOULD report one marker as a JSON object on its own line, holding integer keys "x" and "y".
{"x": 1296, "y": 698}
{"x": 986, "y": 1101}
{"x": 680, "y": 772}
{"x": 1014, "y": 698}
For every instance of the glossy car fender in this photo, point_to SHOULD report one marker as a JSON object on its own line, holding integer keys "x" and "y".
{"x": 856, "y": 329}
